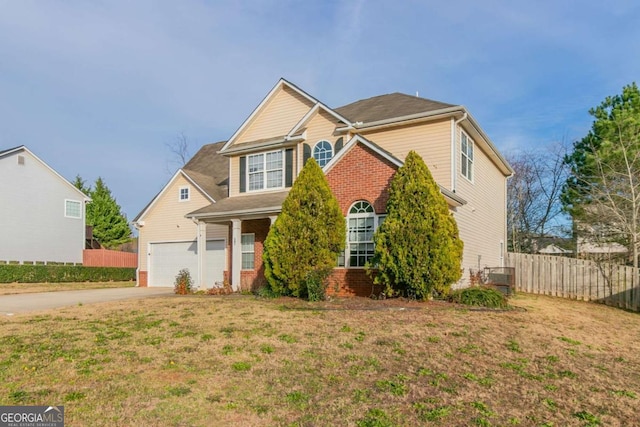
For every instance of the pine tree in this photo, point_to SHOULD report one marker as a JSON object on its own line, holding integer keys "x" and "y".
{"x": 304, "y": 242}
{"x": 417, "y": 247}
{"x": 110, "y": 225}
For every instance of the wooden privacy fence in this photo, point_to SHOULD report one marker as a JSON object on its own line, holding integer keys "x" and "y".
{"x": 586, "y": 280}
{"x": 107, "y": 258}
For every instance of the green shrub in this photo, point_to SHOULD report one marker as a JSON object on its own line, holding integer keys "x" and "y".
{"x": 418, "y": 251}
{"x": 306, "y": 238}
{"x": 316, "y": 283}
{"x": 479, "y": 296}
{"x": 183, "y": 284}
{"x": 10, "y": 273}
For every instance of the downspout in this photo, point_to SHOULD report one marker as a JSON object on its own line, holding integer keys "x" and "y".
{"x": 454, "y": 174}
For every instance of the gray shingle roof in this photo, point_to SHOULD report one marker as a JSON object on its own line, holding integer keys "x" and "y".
{"x": 253, "y": 203}
{"x": 388, "y": 106}
{"x": 210, "y": 170}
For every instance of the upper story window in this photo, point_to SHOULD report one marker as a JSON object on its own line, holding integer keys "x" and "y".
{"x": 265, "y": 170}
{"x": 183, "y": 194}
{"x": 466, "y": 150}
{"x": 323, "y": 152}
{"x": 72, "y": 209}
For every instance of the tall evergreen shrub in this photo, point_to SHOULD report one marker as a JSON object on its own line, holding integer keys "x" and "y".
{"x": 304, "y": 242}
{"x": 418, "y": 251}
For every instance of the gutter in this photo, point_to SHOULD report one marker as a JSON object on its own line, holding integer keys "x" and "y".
{"x": 236, "y": 213}
{"x": 398, "y": 120}
{"x": 280, "y": 142}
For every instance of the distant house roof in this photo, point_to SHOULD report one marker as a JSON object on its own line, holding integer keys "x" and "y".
{"x": 388, "y": 106}
{"x": 553, "y": 250}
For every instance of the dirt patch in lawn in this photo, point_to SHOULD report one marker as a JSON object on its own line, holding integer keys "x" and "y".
{"x": 238, "y": 360}
{"x": 27, "y": 288}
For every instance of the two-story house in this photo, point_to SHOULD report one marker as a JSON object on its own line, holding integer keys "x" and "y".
{"x": 359, "y": 146}
{"x": 42, "y": 215}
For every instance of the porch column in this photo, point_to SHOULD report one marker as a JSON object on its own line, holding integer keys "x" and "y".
{"x": 202, "y": 250}
{"x": 273, "y": 219}
{"x": 236, "y": 253}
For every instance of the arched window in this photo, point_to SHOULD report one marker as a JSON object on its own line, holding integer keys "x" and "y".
{"x": 322, "y": 152}
{"x": 361, "y": 223}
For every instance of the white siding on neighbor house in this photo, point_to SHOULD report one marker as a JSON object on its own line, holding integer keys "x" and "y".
{"x": 33, "y": 226}
{"x": 165, "y": 220}
{"x": 482, "y": 221}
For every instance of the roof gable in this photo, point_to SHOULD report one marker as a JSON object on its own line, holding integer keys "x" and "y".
{"x": 207, "y": 171}
{"x": 452, "y": 198}
{"x": 279, "y": 111}
{"x": 22, "y": 148}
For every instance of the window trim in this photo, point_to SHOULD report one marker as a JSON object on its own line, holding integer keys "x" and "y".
{"x": 184, "y": 187}
{"x": 345, "y": 256}
{"x": 465, "y": 158}
{"x": 264, "y": 171}
{"x": 331, "y": 151}
{"x": 66, "y": 208}
{"x": 243, "y": 252}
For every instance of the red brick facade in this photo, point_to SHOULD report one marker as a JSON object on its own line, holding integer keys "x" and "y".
{"x": 143, "y": 279}
{"x": 361, "y": 174}
{"x": 250, "y": 280}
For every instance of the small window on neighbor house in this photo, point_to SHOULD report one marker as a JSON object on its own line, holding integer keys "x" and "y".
{"x": 466, "y": 150}
{"x": 183, "y": 194}
{"x": 322, "y": 152}
{"x": 21, "y": 160}
{"x": 72, "y": 209}
{"x": 248, "y": 250}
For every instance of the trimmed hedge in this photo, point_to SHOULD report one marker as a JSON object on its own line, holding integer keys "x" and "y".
{"x": 63, "y": 273}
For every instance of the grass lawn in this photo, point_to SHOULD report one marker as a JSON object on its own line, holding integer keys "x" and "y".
{"x": 242, "y": 361}
{"x": 26, "y": 288}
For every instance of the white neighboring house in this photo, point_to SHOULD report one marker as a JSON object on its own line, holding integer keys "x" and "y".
{"x": 42, "y": 215}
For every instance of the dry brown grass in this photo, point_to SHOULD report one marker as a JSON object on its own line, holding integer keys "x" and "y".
{"x": 237, "y": 360}
{"x": 28, "y": 288}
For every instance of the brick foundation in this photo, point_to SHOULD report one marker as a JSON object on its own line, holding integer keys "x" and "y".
{"x": 143, "y": 279}
{"x": 351, "y": 282}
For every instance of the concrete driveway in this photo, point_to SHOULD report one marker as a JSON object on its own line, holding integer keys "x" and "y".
{"x": 23, "y": 303}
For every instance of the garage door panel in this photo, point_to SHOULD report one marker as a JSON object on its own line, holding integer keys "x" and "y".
{"x": 167, "y": 259}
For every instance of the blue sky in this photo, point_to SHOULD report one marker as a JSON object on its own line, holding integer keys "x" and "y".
{"x": 99, "y": 88}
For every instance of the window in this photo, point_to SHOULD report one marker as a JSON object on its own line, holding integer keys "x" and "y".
{"x": 361, "y": 223}
{"x": 248, "y": 250}
{"x": 183, "y": 194}
{"x": 266, "y": 170}
{"x": 322, "y": 152}
{"x": 72, "y": 209}
{"x": 466, "y": 148}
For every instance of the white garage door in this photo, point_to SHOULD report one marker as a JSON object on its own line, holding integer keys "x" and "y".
{"x": 167, "y": 259}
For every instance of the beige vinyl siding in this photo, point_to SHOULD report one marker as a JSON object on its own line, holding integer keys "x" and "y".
{"x": 482, "y": 221}
{"x": 278, "y": 116}
{"x": 432, "y": 140}
{"x": 166, "y": 222}
{"x": 320, "y": 127}
{"x": 234, "y": 176}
